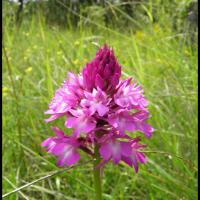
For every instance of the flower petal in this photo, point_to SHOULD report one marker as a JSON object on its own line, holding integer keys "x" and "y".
{"x": 105, "y": 151}
{"x": 73, "y": 158}
{"x": 101, "y": 109}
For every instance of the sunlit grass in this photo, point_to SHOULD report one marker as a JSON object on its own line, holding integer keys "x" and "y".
{"x": 40, "y": 56}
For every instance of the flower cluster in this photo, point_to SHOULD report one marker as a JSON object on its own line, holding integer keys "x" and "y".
{"x": 100, "y": 108}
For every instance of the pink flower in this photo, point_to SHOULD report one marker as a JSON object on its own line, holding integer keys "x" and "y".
{"x": 81, "y": 121}
{"x": 130, "y": 96}
{"x": 97, "y": 101}
{"x": 135, "y": 156}
{"x": 63, "y": 147}
{"x": 127, "y": 152}
{"x": 115, "y": 149}
{"x": 66, "y": 97}
{"x": 100, "y": 108}
{"x": 124, "y": 120}
{"x": 140, "y": 123}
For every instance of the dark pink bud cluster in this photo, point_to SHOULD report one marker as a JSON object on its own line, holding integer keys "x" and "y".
{"x": 100, "y": 108}
{"x": 102, "y": 72}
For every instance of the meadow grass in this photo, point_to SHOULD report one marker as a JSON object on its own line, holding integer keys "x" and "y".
{"x": 38, "y": 59}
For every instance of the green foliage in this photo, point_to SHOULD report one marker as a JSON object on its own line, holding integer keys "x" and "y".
{"x": 181, "y": 15}
{"x": 161, "y": 58}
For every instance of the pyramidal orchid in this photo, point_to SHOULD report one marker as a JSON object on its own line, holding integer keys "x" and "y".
{"x": 101, "y": 109}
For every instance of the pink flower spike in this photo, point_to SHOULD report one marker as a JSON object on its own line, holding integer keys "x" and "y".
{"x": 99, "y": 108}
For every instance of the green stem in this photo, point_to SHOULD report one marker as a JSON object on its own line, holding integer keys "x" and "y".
{"x": 97, "y": 175}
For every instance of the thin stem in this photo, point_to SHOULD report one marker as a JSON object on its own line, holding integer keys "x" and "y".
{"x": 97, "y": 174}
{"x": 10, "y": 74}
{"x": 13, "y": 90}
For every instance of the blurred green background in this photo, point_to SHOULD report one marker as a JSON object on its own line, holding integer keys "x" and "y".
{"x": 155, "y": 41}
